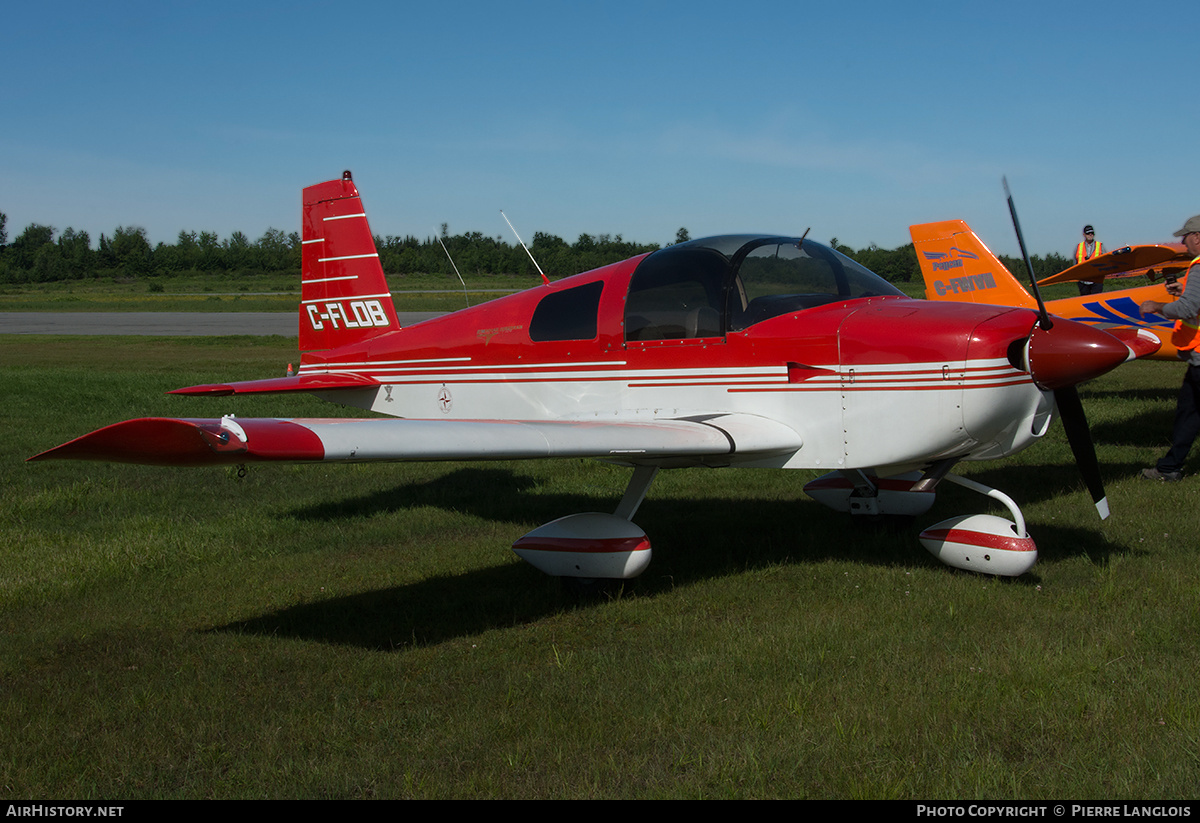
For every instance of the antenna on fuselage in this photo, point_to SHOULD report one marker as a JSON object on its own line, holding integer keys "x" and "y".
{"x": 460, "y": 277}
{"x": 545, "y": 279}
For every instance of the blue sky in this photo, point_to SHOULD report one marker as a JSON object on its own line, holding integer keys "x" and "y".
{"x": 619, "y": 118}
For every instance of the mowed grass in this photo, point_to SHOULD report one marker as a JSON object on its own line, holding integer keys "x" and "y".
{"x": 281, "y": 293}
{"x": 365, "y": 631}
{"x": 223, "y": 293}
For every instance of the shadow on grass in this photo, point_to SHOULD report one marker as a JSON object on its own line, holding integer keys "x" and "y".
{"x": 492, "y": 493}
{"x": 695, "y": 539}
{"x": 422, "y": 614}
{"x": 1150, "y": 428}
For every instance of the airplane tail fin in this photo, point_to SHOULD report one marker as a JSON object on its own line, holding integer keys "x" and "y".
{"x": 344, "y": 297}
{"x": 957, "y": 266}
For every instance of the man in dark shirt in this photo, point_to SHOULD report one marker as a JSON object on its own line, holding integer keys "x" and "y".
{"x": 1185, "y": 310}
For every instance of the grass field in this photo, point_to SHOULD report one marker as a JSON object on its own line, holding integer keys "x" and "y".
{"x": 224, "y": 294}
{"x": 277, "y": 293}
{"x": 364, "y": 631}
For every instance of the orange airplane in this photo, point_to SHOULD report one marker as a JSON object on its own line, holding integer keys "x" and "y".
{"x": 958, "y": 267}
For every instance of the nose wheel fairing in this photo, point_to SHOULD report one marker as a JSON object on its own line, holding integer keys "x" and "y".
{"x": 981, "y": 543}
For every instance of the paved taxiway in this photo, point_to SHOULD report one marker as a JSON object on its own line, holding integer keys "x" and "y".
{"x": 186, "y": 323}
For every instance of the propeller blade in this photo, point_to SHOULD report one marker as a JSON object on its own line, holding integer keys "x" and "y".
{"x": 1075, "y": 422}
{"x": 1043, "y": 318}
{"x": 1071, "y": 357}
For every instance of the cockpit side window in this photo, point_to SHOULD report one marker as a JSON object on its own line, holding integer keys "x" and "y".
{"x": 677, "y": 296}
{"x": 567, "y": 315}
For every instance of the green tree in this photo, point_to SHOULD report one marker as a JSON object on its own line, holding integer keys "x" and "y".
{"x": 236, "y": 251}
{"x": 131, "y": 250}
{"x": 24, "y": 249}
{"x": 75, "y": 249}
{"x": 273, "y": 251}
{"x": 48, "y": 265}
{"x": 185, "y": 255}
{"x": 210, "y": 251}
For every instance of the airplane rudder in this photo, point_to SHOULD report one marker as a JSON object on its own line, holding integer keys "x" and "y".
{"x": 956, "y": 265}
{"x": 933, "y": 244}
{"x": 344, "y": 295}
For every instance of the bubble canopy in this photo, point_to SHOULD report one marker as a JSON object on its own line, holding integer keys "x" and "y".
{"x": 716, "y": 285}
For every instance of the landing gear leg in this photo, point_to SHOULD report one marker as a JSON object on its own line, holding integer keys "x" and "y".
{"x": 995, "y": 494}
{"x": 635, "y": 492}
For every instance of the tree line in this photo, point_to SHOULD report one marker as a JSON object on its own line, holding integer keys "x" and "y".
{"x": 41, "y": 254}
{"x": 900, "y": 265}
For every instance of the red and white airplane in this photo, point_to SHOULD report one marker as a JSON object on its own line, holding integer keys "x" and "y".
{"x": 747, "y": 351}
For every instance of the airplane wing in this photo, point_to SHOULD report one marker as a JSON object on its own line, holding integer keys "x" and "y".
{"x": 163, "y": 441}
{"x": 1129, "y": 258}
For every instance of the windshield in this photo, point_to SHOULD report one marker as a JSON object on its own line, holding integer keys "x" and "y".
{"x": 775, "y": 276}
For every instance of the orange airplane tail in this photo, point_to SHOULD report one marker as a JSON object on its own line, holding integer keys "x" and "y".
{"x": 344, "y": 297}
{"x": 957, "y": 266}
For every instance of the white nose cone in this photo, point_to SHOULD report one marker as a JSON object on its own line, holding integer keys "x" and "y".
{"x": 981, "y": 543}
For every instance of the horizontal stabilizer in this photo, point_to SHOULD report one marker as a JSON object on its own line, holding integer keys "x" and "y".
{"x": 276, "y": 385}
{"x": 186, "y": 442}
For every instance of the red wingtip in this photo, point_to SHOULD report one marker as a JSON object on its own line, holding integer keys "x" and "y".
{"x": 164, "y": 441}
{"x": 155, "y": 441}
